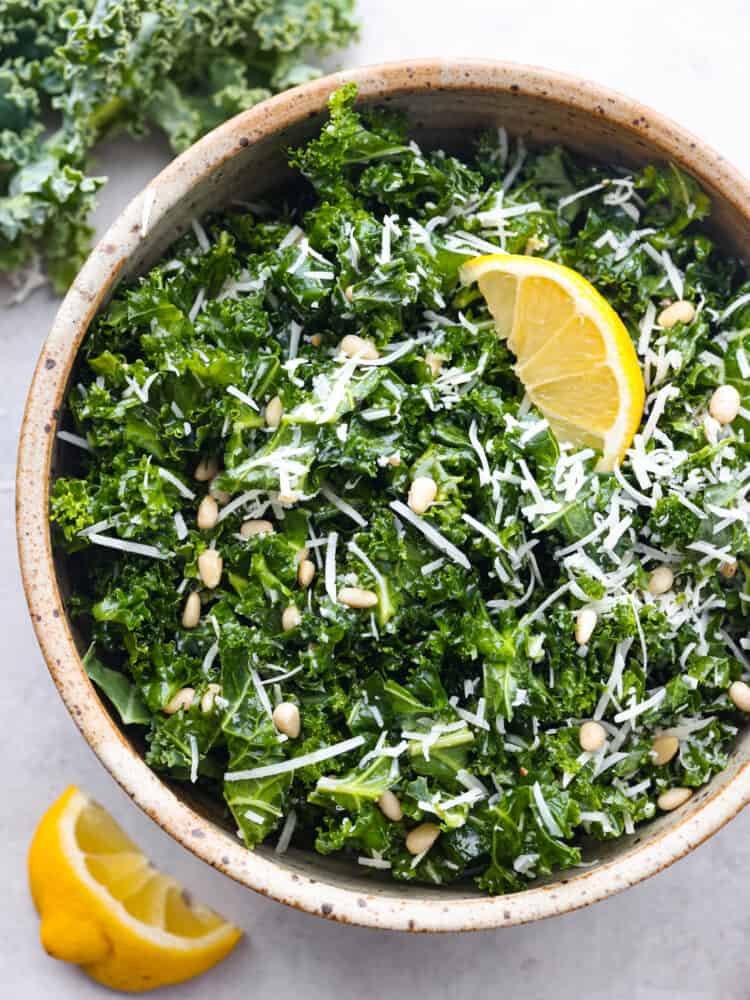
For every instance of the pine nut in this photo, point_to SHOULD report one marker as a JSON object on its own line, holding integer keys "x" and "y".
{"x": 183, "y": 699}
{"x": 389, "y": 805}
{"x": 255, "y": 527}
{"x": 206, "y": 469}
{"x": 422, "y": 494}
{"x": 210, "y": 567}
{"x": 274, "y": 409}
{"x": 678, "y": 312}
{"x": 352, "y": 345}
{"x": 421, "y": 838}
{"x": 316, "y": 340}
{"x": 349, "y": 293}
{"x": 191, "y": 613}
{"x": 663, "y": 749}
{"x": 585, "y": 625}
{"x": 394, "y": 461}
{"x": 728, "y": 570}
{"x": 288, "y": 498}
{"x": 220, "y": 496}
{"x": 673, "y": 798}
{"x": 434, "y": 362}
{"x": 209, "y": 697}
{"x": 356, "y": 597}
{"x": 739, "y": 692}
{"x": 290, "y": 618}
{"x": 208, "y": 514}
{"x": 660, "y": 581}
{"x": 592, "y": 736}
{"x": 287, "y": 720}
{"x": 305, "y": 573}
{"x": 725, "y": 404}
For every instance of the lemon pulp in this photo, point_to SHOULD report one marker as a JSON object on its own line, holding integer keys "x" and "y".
{"x": 574, "y": 355}
{"x": 106, "y": 908}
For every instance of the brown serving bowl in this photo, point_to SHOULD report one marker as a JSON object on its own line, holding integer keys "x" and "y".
{"x": 446, "y": 101}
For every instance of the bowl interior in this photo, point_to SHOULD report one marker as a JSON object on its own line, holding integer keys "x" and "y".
{"x": 447, "y": 106}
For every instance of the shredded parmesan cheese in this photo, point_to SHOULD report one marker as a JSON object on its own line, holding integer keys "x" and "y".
{"x": 74, "y": 439}
{"x": 295, "y": 763}
{"x": 431, "y": 534}
{"x": 136, "y": 548}
{"x": 330, "y": 566}
{"x": 287, "y": 831}
{"x": 181, "y": 488}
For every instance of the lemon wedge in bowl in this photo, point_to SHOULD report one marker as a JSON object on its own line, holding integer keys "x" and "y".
{"x": 573, "y": 352}
{"x": 105, "y": 908}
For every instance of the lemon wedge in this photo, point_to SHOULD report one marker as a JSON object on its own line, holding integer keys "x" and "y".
{"x": 573, "y": 353}
{"x": 106, "y": 909}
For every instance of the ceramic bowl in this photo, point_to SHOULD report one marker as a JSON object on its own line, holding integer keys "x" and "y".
{"x": 446, "y": 102}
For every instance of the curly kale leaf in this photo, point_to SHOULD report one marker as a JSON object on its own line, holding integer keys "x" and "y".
{"x": 351, "y": 791}
{"x": 333, "y": 161}
{"x": 98, "y": 67}
{"x": 123, "y": 694}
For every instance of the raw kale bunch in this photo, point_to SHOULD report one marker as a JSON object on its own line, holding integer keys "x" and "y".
{"x": 73, "y": 72}
{"x": 461, "y": 689}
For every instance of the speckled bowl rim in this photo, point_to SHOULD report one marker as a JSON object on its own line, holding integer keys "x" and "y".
{"x": 413, "y": 911}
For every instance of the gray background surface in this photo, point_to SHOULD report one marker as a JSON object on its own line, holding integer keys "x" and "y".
{"x": 680, "y": 935}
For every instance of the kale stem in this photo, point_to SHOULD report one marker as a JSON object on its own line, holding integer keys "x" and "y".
{"x": 102, "y": 119}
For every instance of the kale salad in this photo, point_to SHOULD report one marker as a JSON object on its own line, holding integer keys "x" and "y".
{"x": 341, "y": 571}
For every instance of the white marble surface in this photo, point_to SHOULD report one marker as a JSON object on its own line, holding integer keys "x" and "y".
{"x": 680, "y": 935}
